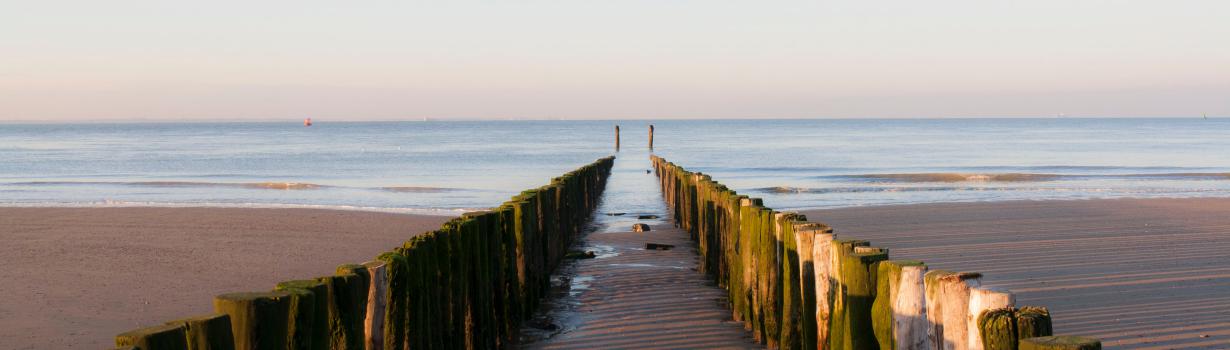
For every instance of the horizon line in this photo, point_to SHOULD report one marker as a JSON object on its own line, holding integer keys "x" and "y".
{"x": 470, "y": 119}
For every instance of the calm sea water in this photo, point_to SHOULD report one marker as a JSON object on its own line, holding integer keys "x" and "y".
{"x": 447, "y": 167}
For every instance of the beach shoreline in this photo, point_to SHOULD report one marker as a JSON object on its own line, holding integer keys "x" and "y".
{"x": 75, "y": 277}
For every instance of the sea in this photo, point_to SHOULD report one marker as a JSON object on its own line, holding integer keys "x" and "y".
{"x": 449, "y": 167}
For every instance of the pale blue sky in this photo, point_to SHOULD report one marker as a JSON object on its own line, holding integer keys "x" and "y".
{"x": 355, "y": 60}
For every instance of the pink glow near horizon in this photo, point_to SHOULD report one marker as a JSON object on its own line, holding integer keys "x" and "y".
{"x": 628, "y": 59}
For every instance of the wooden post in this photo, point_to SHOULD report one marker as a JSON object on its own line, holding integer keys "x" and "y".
{"x": 617, "y": 138}
{"x": 997, "y": 329}
{"x": 377, "y": 301}
{"x": 948, "y": 295}
{"x": 319, "y": 324}
{"x": 207, "y": 332}
{"x": 167, "y": 336}
{"x": 1032, "y": 322}
{"x": 805, "y": 236}
{"x": 983, "y": 299}
{"x": 258, "y": 320}
{"x": 898, "y": 314}
{"x": 1060, "y": 343}
{"x": 650, "y": 137}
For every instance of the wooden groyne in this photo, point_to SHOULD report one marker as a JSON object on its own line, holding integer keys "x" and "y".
{"x": 796, "y": 285}
{"x": 467, "y": 285}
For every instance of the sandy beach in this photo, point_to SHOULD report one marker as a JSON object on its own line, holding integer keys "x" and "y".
{"x": 1137, "y": 273}
{"x": 75, "y": 277}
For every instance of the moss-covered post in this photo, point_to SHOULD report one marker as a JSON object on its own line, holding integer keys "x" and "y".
{"x": 1060, "y": 343}
{"x": 167, "y": 336}
{"x": 301, "y": 314}
{"x": 418, "y": 322}
{"x": 317, "y": 325}
{"x": 347, "y": 306}
{"x": 1033, "y": 322}
{"x": 857, "y": 266}
{"x": 208, "y": 332}
{"x": 396, "y": 297}
{"x": 741, "y": 292}
{"x": 791, "y": 305}
{"x": 258, "y": 320}
{"x": 898, "y": 313}
{"x": 769, "y": 266}
{"x": 997, "y": 329}
{"x": 948, "y": 295}
{"x": 982, "y": 299}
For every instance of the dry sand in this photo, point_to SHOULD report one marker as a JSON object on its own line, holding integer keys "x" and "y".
{"x": 75, "y": 277}
{"x": 1137, "y": 273}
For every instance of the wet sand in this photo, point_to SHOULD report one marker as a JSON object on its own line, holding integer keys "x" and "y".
{"x": 1137, "y": 273}
{"x": 630, "y": 297}
{"x": 75, "y": 277}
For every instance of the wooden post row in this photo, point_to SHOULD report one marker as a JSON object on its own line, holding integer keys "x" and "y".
{"x": 794, "y": 286}
{"x": 468, "y": 285}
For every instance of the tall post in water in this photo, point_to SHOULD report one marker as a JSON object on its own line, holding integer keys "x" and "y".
{"x": 650, "y": 137}
{"x": 617, "y": 138}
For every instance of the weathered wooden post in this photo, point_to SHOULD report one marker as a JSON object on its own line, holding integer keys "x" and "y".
{"x": 805, "y": 235}
{"x": 1060, "y": 343}
{"x": 997, "y": 329}
{"x": 377, "y": 301}
{"x": 983, "y": 299}
{"x": 617, "y": 138}
{"x": 1032, "y": 322}
{"x": 258, "y": 320}
{"x": 948, "y": 295}
{"x": 301, "y": 313}
{"x": 167, "y": 336}
{"x": 319, "y": 319}
{"x": 208, "y": 332}
{"x": 650, "y": 137}
{"x": 856, "y": 268}
{"x": 898, "y": 313}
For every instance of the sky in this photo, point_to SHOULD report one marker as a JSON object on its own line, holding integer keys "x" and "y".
{"x": 584, "y": 59}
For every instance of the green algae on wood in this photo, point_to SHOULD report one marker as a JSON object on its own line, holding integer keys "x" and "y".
{"x": 258, "y": 320}
{"x": 207, "y": 332}
{"x": 897, "y": 314}
{"x": 301, "y": 318}
{"x": 791, "y": 305}
{"x": 1032, "y": 322}
{"x": 319, "y": 324}
{"x": 997, "y": 329}
{"x": 1060, "y": 343}
{"x": 857, "y": 267}
{"x": 347, "y": 307}
{"x": 167, "y": 336}
{"x": 397, "y": 297}
{"x": 983, "y": 299}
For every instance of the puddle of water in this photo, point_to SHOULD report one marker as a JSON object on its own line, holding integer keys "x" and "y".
{"x": 649, "y": 266}
{"x": 579, "y": 284}
{"x": 602, "y": 251}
